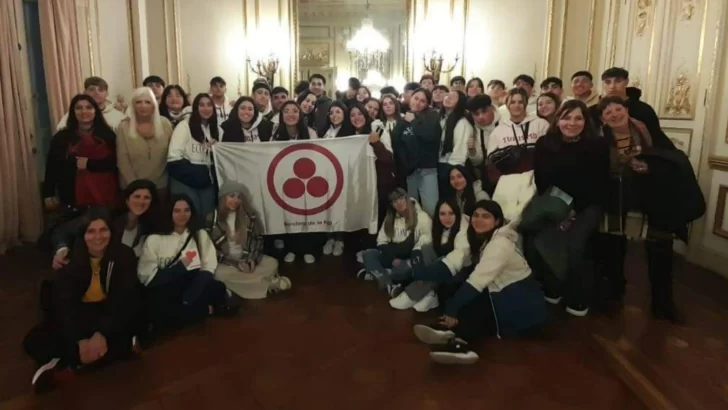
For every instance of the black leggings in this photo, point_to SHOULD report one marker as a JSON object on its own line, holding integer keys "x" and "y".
{"x": 47, "y": 340}
{"x": 168, "y": 310}
{"x": 476, "y": 319}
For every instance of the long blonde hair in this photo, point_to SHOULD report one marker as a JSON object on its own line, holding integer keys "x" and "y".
{"x": 243, "y": 216}
{"x": 138, "y": 94}
{"x": 410, "y": 218}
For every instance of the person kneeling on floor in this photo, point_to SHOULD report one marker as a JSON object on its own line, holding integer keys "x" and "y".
{"x": 499, "y": 298}
{"x": 96, "y": 309}
{"x": 235, "y": 231}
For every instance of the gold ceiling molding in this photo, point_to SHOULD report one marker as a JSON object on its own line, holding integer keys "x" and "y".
{"x": 678, "y": 102}
{"x": 644, "y": 9}
{"x": 88, "y": 38}
{"x": 132, "y": 53}
{"x": 688, "y": 9}
{"x": 549, "y": 25}
{"x": 590, "y": 38}
{"x": 718, "y": 163}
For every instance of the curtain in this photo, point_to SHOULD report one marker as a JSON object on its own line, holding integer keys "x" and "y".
{"x": 61, "y": 54}
{"x": 20, "y": 209}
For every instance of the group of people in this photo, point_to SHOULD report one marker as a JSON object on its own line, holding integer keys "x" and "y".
{"x": 491, "y": 202}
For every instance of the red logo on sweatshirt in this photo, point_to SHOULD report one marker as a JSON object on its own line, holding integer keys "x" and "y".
{"x": 299, "y": 179}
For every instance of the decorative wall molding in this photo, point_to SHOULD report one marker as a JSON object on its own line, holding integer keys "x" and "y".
{"x": 718, "y": 163}
{"x": 644, "y": 15}
{"x": 132, "y": 52}
{"x": 687, "y": 8}
{"x": 681, "y": 137}
{"x": 677, "y": 103}
{"x": 720, "y": 212}
{"x": 315, "y": 54}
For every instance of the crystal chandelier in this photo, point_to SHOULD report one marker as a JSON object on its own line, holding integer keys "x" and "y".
{"x": 368, "y": 47}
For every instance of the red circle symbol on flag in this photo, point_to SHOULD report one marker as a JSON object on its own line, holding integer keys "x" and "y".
{"x": 295, "y": 182}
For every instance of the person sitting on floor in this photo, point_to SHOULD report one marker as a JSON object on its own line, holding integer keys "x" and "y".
{"x": 95, "y": 310}
{"x": 464, "y": 189}
{"x": 499, "y": 298}
{"x": 448, "y": 252}
{"x": 177, "y": 268}
{"x": 405, "y": 230}
{"x": 235, "y": 231}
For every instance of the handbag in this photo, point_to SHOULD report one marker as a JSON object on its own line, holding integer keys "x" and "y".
{"x": 510, "y": 157}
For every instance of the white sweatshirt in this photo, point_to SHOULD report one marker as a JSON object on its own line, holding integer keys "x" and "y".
{"x": 183, "y": 146}
{"x": 423, "y": 230}
{"x": 159, "y": 250}
{"x": 459, "y": 257}
{"x": 112, "y": 116}
{"x": 483, "y": 134}
{"x": 462, "y": 133}
{"x": 332, "y": 132}
{"x": 223, "y": 111}
{"x": 505, "y": 134}
{"x": 386, "y": 137}
{"x": 501, "y": 262}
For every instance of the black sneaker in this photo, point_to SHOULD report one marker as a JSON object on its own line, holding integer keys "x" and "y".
{"x": 229, "y": 307}
{"x": 552, "y": 297}
{"x": 454, "y": 352}
{"x": 577, "y": 310}
{"x": 49, "y": 376}
{"x": 435, "y": 334}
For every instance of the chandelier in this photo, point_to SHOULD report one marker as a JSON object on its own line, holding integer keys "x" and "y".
{"x": 368, "y": 47}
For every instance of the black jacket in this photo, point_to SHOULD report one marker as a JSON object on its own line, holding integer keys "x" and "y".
{"x": 60, "y": 172}
{"x": 121, "y": 306}
{"x": 232, "y": 131}
{"x": 420, "y": 148}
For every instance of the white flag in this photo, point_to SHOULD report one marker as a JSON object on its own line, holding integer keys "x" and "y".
{"x": 318, "y": 185}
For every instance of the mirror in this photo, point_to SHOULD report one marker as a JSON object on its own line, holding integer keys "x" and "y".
{"x": 340, "y": 39}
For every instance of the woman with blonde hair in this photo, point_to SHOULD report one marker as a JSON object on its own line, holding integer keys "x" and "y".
{"x": 235, "y": 231}
{"x": 142, "y": 141}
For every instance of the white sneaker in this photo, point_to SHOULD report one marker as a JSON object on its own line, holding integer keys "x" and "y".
{"x": 430, "y": 301}
{"x": 308, "y": 258}
{"x": 279, "y": 283}
{"x": 290, "y": 257}
{"x": 402, "y": 302}
{"x": 577, "y": 310}
{"x": 329, "y": 247}
{"x": 338, "y": 248}
{"x": 359, "y": 257}
{"x": 279, "y": 244}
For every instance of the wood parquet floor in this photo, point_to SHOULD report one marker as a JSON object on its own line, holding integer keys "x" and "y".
{"x": 332, "y": 342}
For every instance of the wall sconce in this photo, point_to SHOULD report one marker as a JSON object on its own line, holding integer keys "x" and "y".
{"x": 265, "y": 67}
{"x": 435, "y": 64}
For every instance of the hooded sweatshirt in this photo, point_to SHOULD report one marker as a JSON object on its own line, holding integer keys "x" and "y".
{"x": 422, "y": 232}
{"x": 189, "y": 161}
{"x": 112, "y": 116}
{"x": 160, "y": 250}
{"x": 177, "y": 117}
{"x": 260, "y": 131}
{"x": 223, "y": 111}
{"x": 459, "y": 256}
{"x": 462, "y": 133}
{"x": 482, "y": 137}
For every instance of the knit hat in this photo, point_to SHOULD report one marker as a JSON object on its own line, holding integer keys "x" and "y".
{"x": 397, "y": 194}
{"x": 491, "y": 206}
{"x": 231, "y": 187}
{"x": 260, "y": 85}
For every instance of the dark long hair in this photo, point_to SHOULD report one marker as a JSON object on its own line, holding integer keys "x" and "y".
{"x": 367, "y": 128}
{"x": 81, "y": 255}
{"x": 101, "y": 130}
{"x": 149, "y": 219}
{"x": 310, "y": 118}
{"x": 346, "y": 128}
{"x": 301, "y": 127}
{"x": 380, "y": 112}
{"x": 554, "y": 138}
{"x": 437, "y": 227}
{"x": 476, "y": 241}
{"x": 475, "y": 80}
{"x": 468, "y": 192}
{"x": 233, "y": 126}
{"x": 163, "y": 109}
{"x": 194, "y": 225}
{"x": 196, "y": 121}
{"x": 458, "y": 113}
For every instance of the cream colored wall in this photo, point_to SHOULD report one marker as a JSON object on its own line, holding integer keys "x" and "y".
{"x": 105, "y": 36}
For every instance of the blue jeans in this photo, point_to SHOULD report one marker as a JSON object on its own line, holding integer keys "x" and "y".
{"x": 422, "y": 186}
{"x": 372, "y": 261}
{"x": 202, "y": 199}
